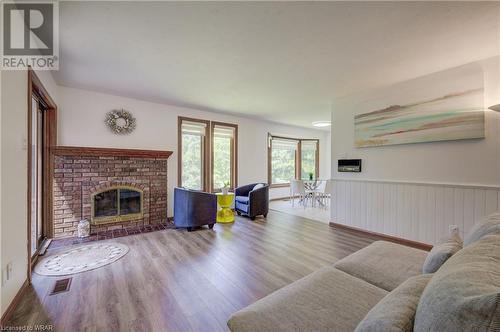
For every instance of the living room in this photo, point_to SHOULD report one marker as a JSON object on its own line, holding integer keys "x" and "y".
{"x": 253, "y": 166}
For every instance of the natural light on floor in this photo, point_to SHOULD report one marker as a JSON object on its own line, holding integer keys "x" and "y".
{"x": 314, "y": 213}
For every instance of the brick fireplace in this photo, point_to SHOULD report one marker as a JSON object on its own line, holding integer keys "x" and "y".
{"x": 112, "y": 188}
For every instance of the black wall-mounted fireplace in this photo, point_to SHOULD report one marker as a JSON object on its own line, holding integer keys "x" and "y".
{"x": 116, "y": 204}
{"x": 349, "y": 165}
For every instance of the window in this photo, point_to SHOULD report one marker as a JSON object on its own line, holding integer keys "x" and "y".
{"x": 308, "y": 159}
{"x": 223, "y": 155}
{"x": 193, "y": 147}
{"x": 207, "y": 154}
{"x": 292, "y": 158}
{"x": 283, "y": 160}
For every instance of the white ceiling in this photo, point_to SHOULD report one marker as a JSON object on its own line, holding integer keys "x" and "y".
{"x": 280, "y": 61}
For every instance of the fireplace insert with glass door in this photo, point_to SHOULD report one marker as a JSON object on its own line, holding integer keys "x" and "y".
{"x": 116, "y": 204}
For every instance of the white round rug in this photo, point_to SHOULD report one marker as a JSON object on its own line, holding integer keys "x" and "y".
{"x": 81, "y": 259}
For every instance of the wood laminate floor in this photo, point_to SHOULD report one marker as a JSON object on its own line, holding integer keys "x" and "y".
{"x": 173, "y": 280}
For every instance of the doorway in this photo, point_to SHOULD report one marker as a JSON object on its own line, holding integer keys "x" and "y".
{"x": 41, "y": 137}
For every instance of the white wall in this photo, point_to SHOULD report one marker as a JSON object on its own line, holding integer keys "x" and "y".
{"x": 462, "y": 165}
{"x": 81, "y": 123}
{"x": 14, "y": 186}
{"x": 14, "y": 181}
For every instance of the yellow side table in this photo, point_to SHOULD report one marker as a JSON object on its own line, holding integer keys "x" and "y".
{"x": 225, "y": 214}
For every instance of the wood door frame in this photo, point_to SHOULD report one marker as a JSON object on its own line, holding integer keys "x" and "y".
{"x": 206, "y": 152}
{"x": 234, "y": 148}
{"x": 36, "y": 87}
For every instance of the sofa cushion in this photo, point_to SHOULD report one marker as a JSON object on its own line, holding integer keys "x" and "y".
{"x": 491, "y": 225}
{"x": 464, "y": 294}
{"x": 384, "y": 264}
{"x": 326, "y": 300}
{"x": 441, "y": 252}
{"x": 396, "y": 311}
{"x": 241, "y": 206}
{"x": 242, "y": 199}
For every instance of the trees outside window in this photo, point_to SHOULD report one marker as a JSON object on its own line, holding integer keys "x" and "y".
{"x": 193, "y": 144}
{"x": 223, "y": 155}
{"x": 308, "y": 157}
{"x": 192, "y": 161}
{"x": 222, "y": 161}
{"x": 283, "y": 160}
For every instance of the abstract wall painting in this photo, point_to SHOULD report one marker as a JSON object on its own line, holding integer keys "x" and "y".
{"x": 451, "y": 116}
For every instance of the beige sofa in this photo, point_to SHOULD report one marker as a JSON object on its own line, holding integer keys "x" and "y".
{"x": 381, "y": 288}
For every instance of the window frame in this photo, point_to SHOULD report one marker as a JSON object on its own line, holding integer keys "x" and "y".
{"x": 269, "y": 159}
{"x": 234, "y": 155}
{"x": 205, "y": 152}
{"x": 316, "y": 156}
{"x": 208, "y": 153}
{"x": 298, "y": 158}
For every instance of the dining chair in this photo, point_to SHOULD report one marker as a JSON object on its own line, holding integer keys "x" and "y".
{"x": 297, "y": 188}
{"x": 319, "y": 192}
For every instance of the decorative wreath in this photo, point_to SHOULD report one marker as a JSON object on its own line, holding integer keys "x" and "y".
{"x": 120, "y": 121}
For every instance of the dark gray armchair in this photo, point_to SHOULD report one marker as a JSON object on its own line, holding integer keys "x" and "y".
{"x": 252, "y": 202}
{"x": 194, "y": 209}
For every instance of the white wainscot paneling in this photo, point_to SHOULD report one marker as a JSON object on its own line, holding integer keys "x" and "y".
{"x": 416, "y": 211}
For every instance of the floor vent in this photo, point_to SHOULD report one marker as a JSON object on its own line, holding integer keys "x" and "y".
{"x": 61, "y": 286}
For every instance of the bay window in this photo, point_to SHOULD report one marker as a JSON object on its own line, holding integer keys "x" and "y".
{"x": 292, "y": 158}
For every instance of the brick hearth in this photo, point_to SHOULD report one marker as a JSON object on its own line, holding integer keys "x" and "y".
{"x": 106, "y": 235}
{"x": 79, "y": 172}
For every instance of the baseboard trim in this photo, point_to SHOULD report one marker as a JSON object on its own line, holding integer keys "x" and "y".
{"x": 390, "y": 238}
{"x": 13, "y": 305}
